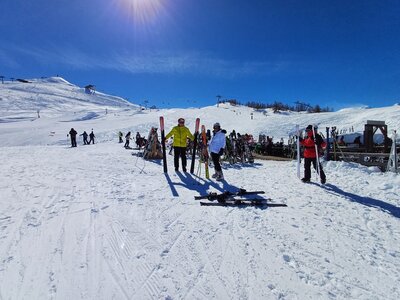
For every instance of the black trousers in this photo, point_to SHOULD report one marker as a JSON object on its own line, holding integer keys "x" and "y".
{"x": 215, "y": 158}
{"x": 307, "y": 168}
{"x": 73, "y": 141}
{"x": 180, "y": 152}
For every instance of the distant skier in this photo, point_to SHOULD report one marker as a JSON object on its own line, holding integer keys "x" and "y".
{"x": 127, "y": 139}
{"x": 310, "y": 155}
{"x": 341, "y": 141}
{"x": 120, "y": 135}
{"x": 91, "y": 137}
{"x": 180, "y": 134}
{"x": 73, "y": 134}
{"x": 357, "y": 141}
{"x": 139, "y": 140}
{"x": 217, "y": 146}
{"x": 85, "y": 136}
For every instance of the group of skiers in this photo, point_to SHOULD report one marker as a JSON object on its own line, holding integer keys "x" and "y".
{"x": 313, "y": 145}
{"x": 181, "y": 133}
{"x": 73, "y": 133}
{"x": 140, "y": 141}
{"x": 313, "y": 149}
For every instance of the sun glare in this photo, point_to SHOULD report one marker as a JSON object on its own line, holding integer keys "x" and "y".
{"x": 144, "y": 11}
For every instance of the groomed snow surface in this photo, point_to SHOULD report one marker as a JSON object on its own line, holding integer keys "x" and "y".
{"x": 98, "y": 222}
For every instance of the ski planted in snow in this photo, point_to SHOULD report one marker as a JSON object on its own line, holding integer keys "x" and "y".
{"x": 196, "y": 134}
{"x": 316, "y": 151}
{"x": 227, "y": 195}
{"x": 163, "y": 144}
{"x": 205, "y": 151}
{"x": 244, "y": 202}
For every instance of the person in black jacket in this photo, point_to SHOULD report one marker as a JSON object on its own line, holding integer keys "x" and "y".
{"x": 84, "y": 135}
{"x": 91, "y": 136}
{"x": 73, "y": 134}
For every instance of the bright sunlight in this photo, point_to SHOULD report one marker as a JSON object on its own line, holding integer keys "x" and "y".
{"x": 144, "y": 11}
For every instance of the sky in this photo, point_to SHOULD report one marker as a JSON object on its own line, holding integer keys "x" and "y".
{"x": 184, "y": 53}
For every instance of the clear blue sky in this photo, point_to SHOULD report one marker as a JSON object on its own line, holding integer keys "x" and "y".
{"x": 179, "y": 53}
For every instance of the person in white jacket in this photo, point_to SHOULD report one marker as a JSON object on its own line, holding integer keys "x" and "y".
{"x": 216, "y": 148}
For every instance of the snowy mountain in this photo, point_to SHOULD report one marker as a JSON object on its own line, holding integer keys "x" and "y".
{"x": 99, "y": 222}
{"x": 53, "y": 94}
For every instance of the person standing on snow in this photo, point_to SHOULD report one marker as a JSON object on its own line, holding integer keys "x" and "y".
{"x": 216, "y": 147}
{"x": 84, "y": 135}
{"x": 310, "y": 155}
{"x": 180, "y": 134}
{"x": 127, "y": 138}
{"x": 73, "y": 134}
{"x": 91, "y": 137}
{"x": 120, "y": 136}
{"x": 138, "y": 140}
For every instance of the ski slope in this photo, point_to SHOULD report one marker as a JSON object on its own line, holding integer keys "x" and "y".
{"x": 97, "y": 222}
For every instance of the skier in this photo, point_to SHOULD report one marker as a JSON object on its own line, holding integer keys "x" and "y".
{"x": 127, "y": 138}
{"x": 341, "y": 141}
{"x": 180, "y": 133}
{"x": 120, "y": 135}
{"x": 84, "y": 135}
{"x": 217, "y": 146}
{"x": 91, "y": 137}
{"x": 73, "y": 134}
{"x": 310, "y": 155}
{"x": 139, "y": 140}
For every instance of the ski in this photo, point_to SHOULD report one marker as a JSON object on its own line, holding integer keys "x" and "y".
{"x": 164, "y": 154}
{"x": 205, "y": 151}
{"x": 227, "y": 195}
{"x": 196, "y": 134}
{"x": 316, "y": 151}
{"x": 244, "y": 202}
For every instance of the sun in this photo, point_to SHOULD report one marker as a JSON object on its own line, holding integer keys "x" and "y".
{"x": 144, "y": 11}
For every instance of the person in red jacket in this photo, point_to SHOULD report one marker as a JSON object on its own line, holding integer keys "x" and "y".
{"x": 310, "y": 155}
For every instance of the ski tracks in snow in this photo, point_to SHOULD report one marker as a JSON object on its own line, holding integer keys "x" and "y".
{"x": 93, "y": 226}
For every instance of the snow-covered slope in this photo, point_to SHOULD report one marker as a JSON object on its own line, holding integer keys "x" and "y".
{"x": 96, "y": 222}
{"x": 50, "y": 95}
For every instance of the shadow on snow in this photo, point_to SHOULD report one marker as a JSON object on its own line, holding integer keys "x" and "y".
{"x": 367, "y": 201}
{"x": 198, "y": 184}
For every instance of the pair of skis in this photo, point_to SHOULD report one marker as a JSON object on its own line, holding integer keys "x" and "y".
{"x": 196, "y": 134}
{"x": 237, "y": 199}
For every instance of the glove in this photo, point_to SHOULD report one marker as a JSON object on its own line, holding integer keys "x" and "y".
{"x": 221, "y": 151}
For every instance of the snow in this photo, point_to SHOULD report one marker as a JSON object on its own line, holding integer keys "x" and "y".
{"x": 98, "y": 222}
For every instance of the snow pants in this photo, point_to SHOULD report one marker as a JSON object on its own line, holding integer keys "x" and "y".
{"x": 307, "y": 168}
{"x": 73, "y": 141}
{"x": 215, "y": 158}
{"x": 180, "y": 152}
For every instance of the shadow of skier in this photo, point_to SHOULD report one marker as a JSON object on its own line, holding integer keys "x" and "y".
{"x": 367, "y": 201}
{"x": 202, "y": 185}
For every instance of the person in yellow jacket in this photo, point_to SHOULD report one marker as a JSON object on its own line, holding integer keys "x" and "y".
{"x": 181, "y": 133}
